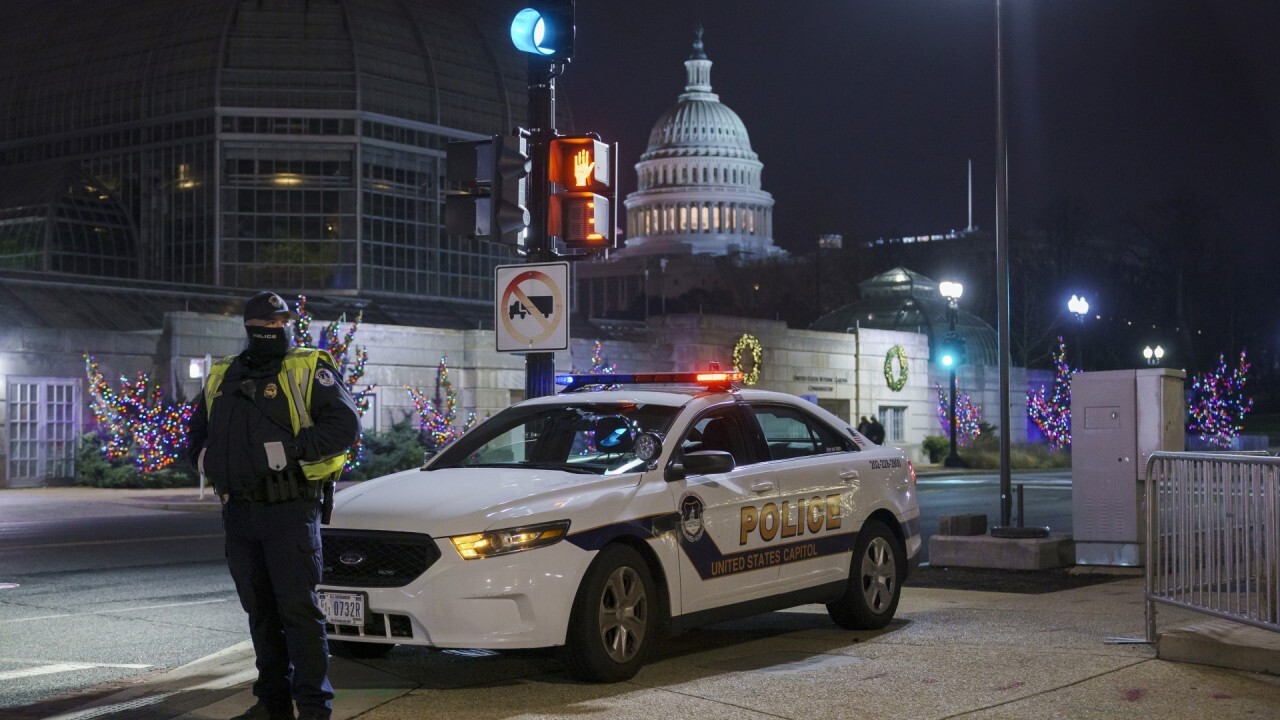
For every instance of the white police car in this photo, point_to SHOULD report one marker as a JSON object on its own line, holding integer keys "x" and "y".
{"x": 598, "y": 521}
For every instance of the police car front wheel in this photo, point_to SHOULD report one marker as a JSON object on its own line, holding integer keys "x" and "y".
{"x": 875, "y": 580}
{"x": 613, "y": 625}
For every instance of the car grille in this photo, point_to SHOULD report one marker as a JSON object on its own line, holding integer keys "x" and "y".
{"x": 375, "y": 559}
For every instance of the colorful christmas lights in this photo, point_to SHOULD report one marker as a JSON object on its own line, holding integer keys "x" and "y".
{"x": 140, "y": 426}
{"x": 437, "y": 415}
{"x": 968, "y": 416}
{"x": 1052, "y": 413}
{"x": 1218, "y": 403}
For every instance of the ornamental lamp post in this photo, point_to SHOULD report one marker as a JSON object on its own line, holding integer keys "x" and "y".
{"x": 1079, "y": 307}
{"x": 1153, "y": 356}
{"x": 950, "y": 358}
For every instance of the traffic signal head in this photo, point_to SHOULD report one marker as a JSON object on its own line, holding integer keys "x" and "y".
{"x": 545, "y": 29}
{"x": 951, "y": 351}
{"x": 579, "y": 163}
{"x": 582, "y": 203}
{"x": 508, "y": 211}
{"x": 486, "y": 185}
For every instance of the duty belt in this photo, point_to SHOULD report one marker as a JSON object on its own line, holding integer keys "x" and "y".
{"x": 275, "y": 488}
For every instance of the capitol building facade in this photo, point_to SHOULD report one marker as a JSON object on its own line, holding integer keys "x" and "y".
{"x": 699, "y": 180}
{"x": 699, "y": 199}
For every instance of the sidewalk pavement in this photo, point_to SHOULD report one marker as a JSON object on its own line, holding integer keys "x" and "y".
{"x": 948, "y": 654}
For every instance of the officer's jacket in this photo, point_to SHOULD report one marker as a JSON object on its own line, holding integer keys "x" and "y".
{"x": 246, "y": 408}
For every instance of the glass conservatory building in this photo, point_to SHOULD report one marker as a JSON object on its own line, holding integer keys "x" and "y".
{"x": 290, "y": 144}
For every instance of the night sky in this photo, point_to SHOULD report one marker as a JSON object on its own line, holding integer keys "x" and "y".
{"x": 865, "y": 112}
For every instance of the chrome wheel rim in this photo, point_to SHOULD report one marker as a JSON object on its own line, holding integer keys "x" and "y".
{"x": 879, "y": 575}
{"x": 623, "y": 614}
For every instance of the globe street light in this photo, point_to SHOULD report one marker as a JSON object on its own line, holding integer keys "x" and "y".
{"x": 950, "y": 358}
{"x": 1153, "y": 356}
{"x": 1080, "y": 307}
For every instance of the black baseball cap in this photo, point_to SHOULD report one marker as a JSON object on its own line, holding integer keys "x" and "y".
{"x": 267, "y": 306}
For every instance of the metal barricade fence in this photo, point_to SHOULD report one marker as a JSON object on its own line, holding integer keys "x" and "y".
{"x": 1213, "y": 536}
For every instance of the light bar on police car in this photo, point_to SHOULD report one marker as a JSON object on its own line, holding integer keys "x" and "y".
{"x": 716, "y": 378}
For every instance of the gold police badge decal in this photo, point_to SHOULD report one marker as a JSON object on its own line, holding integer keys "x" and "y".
{"x": 270, "y": 391}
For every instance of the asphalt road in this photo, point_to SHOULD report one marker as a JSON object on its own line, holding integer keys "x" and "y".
{"x": 1046, "y": 500}
{"x": 94, "y": 595}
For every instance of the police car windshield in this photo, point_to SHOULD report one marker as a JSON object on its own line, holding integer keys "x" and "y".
{"x": 596, "y": 438}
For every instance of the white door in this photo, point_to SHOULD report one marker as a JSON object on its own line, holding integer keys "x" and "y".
{"x": 43, "y": 419}
{"x": 729, "y": 522}
{"x": 819, "y": 474}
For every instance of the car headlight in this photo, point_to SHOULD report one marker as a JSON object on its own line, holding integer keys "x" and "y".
{"x": 502, "y": 542}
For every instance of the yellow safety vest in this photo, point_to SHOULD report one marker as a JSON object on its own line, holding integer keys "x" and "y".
{"x": 296, "y": 373}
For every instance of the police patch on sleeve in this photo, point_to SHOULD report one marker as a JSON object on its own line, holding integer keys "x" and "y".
{"x": 325, "y": 377}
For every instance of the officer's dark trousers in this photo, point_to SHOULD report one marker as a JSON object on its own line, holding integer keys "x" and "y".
{"x": 273, "y": 551}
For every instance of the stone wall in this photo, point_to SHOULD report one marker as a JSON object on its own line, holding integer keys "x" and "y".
{"x": 841, "y": 372}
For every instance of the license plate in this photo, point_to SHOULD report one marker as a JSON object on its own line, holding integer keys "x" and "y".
{"x": 342, "y": 608}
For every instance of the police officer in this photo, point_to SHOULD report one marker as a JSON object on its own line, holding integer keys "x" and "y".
{"x": 271, "y": 428}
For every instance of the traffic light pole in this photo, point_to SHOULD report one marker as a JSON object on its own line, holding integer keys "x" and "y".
{"x": 540, "y": 367}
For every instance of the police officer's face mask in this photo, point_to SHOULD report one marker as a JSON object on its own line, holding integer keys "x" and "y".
{"x": 269, "y": 342}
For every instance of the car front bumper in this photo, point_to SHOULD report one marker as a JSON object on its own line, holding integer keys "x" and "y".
{"x": 521, "y": 600}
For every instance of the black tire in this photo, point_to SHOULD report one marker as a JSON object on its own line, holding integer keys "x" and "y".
{"x": 359, "y": 650}
{"x": 614, "y": 622}
{"x": 875, "y": 580}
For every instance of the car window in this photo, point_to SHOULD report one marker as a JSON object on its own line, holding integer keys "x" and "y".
{"x": 718, "y": 430}
{"x": 792, "y": 433}
{"x": 595, "y": 438}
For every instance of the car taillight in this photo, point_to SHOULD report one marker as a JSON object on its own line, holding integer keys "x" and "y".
{"x": 911, "y": 470}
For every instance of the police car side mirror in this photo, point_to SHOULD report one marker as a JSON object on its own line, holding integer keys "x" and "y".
{"x": 701, "y": 462}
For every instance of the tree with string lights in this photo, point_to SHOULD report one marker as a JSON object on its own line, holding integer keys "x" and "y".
{"x": 138, "y": 424}
{"x": 438, "y": 414}
{"x": 968, "y": 415}
{"x": 1218, "y": 402}
{"x": 1051, "y": 411}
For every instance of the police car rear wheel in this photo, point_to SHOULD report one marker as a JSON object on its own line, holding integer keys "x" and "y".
{"x": 875, "y": 582}
{"x": 359, "y": 650}
{"x": 613, "y": 623}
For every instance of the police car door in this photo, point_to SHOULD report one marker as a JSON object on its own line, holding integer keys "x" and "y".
{"x": 728, "y": 521}
{"x": 819, "y": 473}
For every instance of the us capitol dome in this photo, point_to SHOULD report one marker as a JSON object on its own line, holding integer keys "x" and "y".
{"x": 699, "y": 181}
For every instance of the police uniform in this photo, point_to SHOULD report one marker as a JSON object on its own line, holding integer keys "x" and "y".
{"x": 268, "y": 431}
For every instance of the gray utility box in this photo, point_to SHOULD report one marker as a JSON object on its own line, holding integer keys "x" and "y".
{"x": 1118, "y": 418}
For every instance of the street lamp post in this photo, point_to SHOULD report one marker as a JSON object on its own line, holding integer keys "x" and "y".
{"x": 952, "y": 292}
{"x": 1153, "y": 356}
{"x": 1080, "y": 307}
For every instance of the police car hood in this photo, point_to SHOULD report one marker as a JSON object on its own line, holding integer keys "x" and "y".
{"x": 457, "y": 501}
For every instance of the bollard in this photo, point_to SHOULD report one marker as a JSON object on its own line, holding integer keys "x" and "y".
{"x": 1017, "y": 491}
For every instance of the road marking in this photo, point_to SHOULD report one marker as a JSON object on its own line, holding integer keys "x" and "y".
{"x": 63, "y": 667}
{"x": 100, "y": 612}
{"x": 109, "y": 542}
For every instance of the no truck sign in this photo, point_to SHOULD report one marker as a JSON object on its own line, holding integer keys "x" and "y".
{"x": 532, "y": 315}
